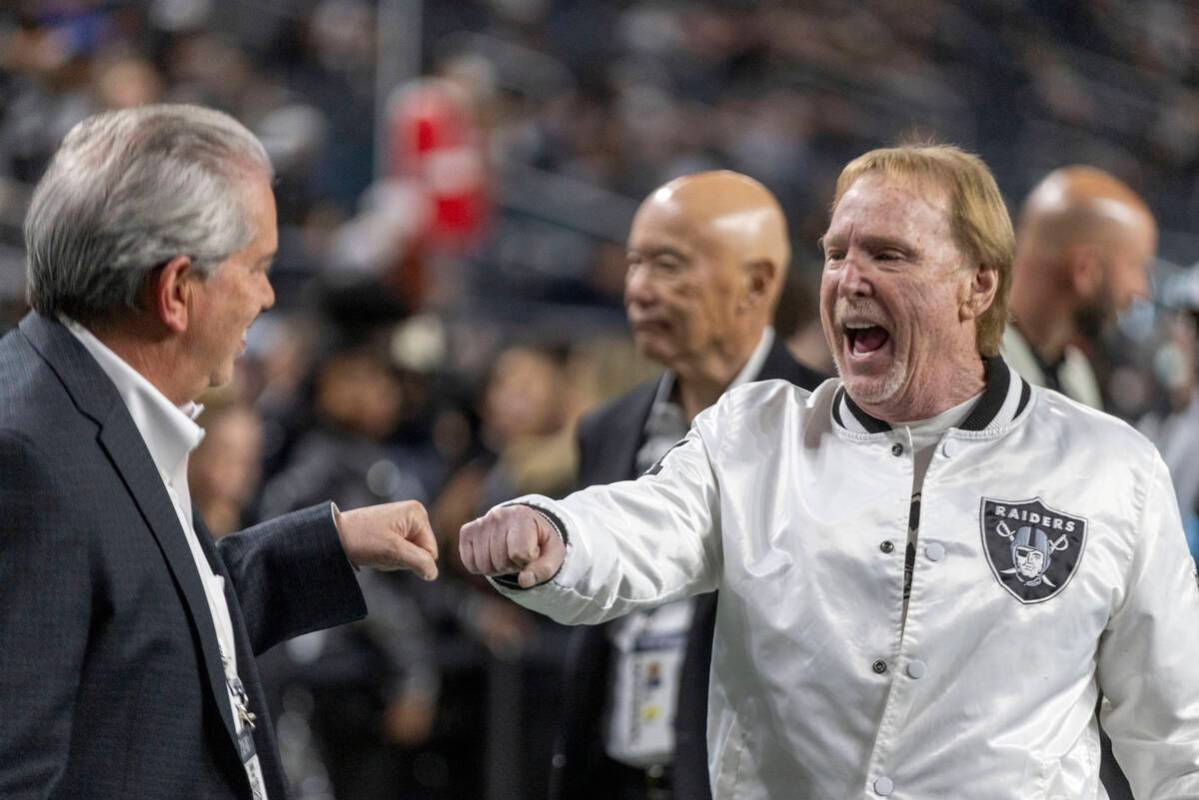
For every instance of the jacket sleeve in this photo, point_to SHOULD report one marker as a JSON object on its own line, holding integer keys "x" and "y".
{"x": 1148, "y": 661}
{"x": 291, "y": 576}
{"x": 45, "y": 615}
{"x": 633, "y": 544}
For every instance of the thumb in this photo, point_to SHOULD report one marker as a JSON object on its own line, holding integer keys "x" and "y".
{"x": 545, "y": 566}
{"x": 416, "y": 559}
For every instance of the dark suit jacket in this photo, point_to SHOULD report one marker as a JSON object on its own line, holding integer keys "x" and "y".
{"x": 609, "y": 439}
{"x": 111, "y": 684}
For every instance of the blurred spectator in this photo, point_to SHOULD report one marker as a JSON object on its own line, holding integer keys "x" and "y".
{"x": 357, "y": 402}
{"x": 125, "y": 82}
{"x": 1175, "y": 429}
{"x": 529, "y": 411}
{"x": 371, "y": 692}
{"x": 1084, "y": 242}
{"x": 798, "y": 322}
{"x": 374, "y": 685}
{"x": 224, "y": 471}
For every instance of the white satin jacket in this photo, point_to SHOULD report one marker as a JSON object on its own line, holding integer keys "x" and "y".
{"x": 795, "y": 505}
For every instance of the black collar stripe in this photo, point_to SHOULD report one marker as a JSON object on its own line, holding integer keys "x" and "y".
{"x": 1025, "y": 394}
{"x": 853, "y": 417}
{"x": 1002, "y": 400}
{"x": 999, "y": 380}
{"x": 871, "y": 424}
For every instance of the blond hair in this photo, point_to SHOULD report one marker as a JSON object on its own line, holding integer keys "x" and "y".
{"x": 982, "y": 228}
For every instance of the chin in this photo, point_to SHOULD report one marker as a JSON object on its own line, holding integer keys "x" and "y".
{"x": 654, "y": 349}
{"x": 873, "y": 390}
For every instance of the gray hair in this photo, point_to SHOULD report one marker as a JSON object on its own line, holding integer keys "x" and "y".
{"x": 128, "y": 191}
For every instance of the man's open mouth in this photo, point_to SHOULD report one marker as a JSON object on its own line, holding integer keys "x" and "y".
{"x": 864, "y": 338}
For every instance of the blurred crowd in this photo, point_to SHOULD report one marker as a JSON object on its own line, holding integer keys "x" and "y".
{"x": 452, "y": 260}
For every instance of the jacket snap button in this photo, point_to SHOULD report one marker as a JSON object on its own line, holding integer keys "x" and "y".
{"x": 896, "y": 449}
{"x": 887, "y": 547}
{"x": 883, "y": 787}
{"x": 879, "y": 667}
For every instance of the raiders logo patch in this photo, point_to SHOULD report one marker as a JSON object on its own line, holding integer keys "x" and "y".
{"x": 1033, "y": 549}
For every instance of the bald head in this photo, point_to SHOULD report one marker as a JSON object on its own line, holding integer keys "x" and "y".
{"x": 707, "y": 257}
{"x": 733, "y": 211}
{"x": 1081, "y": 204}
{"x": 1083, "y": 247}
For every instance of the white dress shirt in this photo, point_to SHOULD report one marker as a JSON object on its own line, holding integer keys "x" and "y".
{"x": 170, "y": 434}
{"x": 1075, "y": 376}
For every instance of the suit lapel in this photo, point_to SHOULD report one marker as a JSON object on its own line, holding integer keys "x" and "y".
{"x": 125, "y": 447}
{"x": 630, "y": 432}
{"x": 623, "y": 425}
{"x": 624, "y": 434}
{"x": 96, "y": 397}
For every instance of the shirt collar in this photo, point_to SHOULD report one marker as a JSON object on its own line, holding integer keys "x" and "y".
{"x": 1005, "y": 395}
{"x": 170, "y": 432}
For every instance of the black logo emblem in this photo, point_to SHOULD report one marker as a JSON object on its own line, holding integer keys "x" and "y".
{"x": 1033, "y": 549}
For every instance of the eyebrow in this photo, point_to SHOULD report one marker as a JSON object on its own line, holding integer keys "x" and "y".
{"x": 877, "y": 242}
{"x": 872, "y": 242}
{"x": 658, "y": 250}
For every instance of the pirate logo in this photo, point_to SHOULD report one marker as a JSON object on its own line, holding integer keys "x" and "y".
{"x": 1033, "y": 549}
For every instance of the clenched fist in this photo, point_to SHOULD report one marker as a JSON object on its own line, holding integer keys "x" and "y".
{"x": 389, "y": 536}
{"x": 512, "y": 539}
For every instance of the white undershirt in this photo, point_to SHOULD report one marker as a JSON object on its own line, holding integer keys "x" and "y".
{"x": 170, "y": 434}
{"x": 922, "y": 436}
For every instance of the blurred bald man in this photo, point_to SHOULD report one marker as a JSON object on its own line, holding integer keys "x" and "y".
{"x": 707, "y": 254}
{"x": 1084, "y": 244}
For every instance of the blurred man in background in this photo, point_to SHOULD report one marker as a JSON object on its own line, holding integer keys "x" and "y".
{"x": 708, "y": 256}
{"x": 129, "y": 636}
{"x": 224, "y": 472}
{"x": 1084, "y": 242}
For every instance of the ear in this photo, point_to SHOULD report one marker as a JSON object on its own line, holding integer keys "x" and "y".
{"x": 980, "y": 292}
{"x": 1084, "y": 270}
{"x": 170, "y": 293}
{"x": 758, "y": 287}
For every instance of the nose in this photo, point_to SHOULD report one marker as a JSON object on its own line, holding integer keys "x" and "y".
{"x": 639, "y": 287}
{"x": 855, "y": 279}
{"x": 268, "y": 293}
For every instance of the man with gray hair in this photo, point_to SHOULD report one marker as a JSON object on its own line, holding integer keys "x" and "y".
{"x": 127, "y": 666}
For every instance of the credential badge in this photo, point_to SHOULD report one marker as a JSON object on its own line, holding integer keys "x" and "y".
{"x": 1033, "y": 549}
